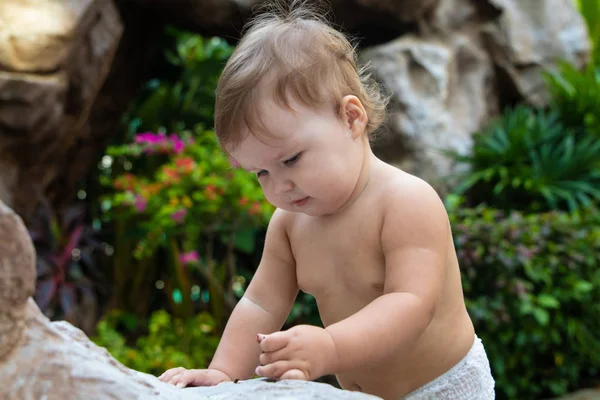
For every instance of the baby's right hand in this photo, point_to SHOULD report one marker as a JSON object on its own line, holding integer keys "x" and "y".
{"x": 182, "y": 377}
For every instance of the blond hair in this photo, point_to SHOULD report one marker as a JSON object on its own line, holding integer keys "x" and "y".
{"x": 301, "y": 55}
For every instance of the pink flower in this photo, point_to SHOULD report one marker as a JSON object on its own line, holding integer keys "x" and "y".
{"x": 234, "y": 163}
{"x": 140, "y": 203}
{"x": 149, "y": 137}
{"x": 178, "y": 144}
{"x": 189, "y": 257}
{"x": 178, "y": 215}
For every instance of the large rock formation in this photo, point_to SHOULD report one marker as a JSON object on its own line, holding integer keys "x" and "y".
{"x": 470, "y": 60}
{"x": 40, "y": 359}
{"x": 54, "y": 58}
{"x": 68, "y": 70}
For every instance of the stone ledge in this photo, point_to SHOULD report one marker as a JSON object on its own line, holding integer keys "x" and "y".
{"x": 268, "y": 389}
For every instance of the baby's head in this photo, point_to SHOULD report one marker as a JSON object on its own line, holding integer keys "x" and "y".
{"x": 293, "y": 85}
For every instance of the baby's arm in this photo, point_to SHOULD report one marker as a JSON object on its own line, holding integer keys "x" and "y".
{"x": 263, "y": 309}
{"x": 415, "y": 238}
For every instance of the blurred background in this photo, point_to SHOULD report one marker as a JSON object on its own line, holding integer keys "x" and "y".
{"x": 146, "y": 237}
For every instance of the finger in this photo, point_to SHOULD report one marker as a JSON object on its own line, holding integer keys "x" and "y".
{"x": 168, "y": 374}
{"x": 294, "y": 374}
{"x": 274, "y": 356}
{"x": 178, "y": 378}
{"x": 276, "y": 369}
{"x": 274, "y": 341}
{"x": 204, "y": 378}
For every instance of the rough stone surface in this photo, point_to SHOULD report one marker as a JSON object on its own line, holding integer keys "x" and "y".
{"x": 40, "y": 359}
{"x": 531, "y": 36}
{"x": 17, "y": 277}
{"x": 263, "y": 389}
{"x": 440, "y": 94}
{"x": 469, "y": 60}
{"x": 54, "y": 57}
{"x": 584, "y": 394}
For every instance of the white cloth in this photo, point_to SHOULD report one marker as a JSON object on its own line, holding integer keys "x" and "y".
{"x": 470, "y": 379}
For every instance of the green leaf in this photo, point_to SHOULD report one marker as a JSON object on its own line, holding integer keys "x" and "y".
{"x": 547, "y": 301}
{"x": 541, "y": 316}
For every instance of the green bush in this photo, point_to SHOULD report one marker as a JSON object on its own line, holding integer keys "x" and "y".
{"x": 575, "y": 96}
{"x": 182, "y": 95}
{"x": 167, "y": 343}
{"x": 528, "y": 160}
{"x": 532, "y": 286}
{"x": 189, "y": 203}
{"x": 590, "y": 9}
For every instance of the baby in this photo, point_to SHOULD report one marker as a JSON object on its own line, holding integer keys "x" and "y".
{"x": 370, "y": 242}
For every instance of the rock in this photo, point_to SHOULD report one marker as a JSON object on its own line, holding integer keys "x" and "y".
{"x": 584, "y": 394}
{"x": 403, "y": 10}
{"x": 530, "y": 37}
{"x": 17, "y": 278}
{"x": 40, "y": 359}
{"x": 441, "y": 92}
{"x": 263, "y": 389}
{"x": 472, "y": 60}
{"x": 54, "y": 57}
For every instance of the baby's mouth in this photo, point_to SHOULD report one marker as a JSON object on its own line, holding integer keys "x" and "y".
{"x": 301, "y": 202}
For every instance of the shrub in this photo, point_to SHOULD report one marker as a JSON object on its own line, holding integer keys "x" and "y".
{"x": 575, "y": 96}
{"x": 533, "y": 291}
{"x": 192, "y": 205}
{"x": 182, "y": 94}
{"x": 69, "y": 280}
{"x": 528, "y": 160}
{"x": 167, "y": 342}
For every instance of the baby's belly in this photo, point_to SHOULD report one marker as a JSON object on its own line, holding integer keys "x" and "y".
{"x": 440, "y": 347}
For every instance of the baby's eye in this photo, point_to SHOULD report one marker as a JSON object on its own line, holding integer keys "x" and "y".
{"x": 262, "y": 173}
{"x": 292, "y": 160}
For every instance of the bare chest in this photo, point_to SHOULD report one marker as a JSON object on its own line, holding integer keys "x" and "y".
{"x": 340, "y": 260}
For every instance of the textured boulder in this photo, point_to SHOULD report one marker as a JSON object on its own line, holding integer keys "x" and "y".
{"x": 440, "y": 94}
{"x": 40, "y": 359}
{"x": 470, "y": 60}
{"x": 17, "y": 278}
{"x": 54, "y": 58}
{"x": 531, "y": 36}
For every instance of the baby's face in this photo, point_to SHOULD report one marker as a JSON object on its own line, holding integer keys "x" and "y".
{"x": 309, "y": 161}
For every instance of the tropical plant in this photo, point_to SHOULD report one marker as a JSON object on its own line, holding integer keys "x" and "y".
{"x": 528, "y": 160}
{"x": 590, "y": 9}
{"x": 68, "y": 277}
{"x": 575, "y": 96}
{"x": 184, "y": 95}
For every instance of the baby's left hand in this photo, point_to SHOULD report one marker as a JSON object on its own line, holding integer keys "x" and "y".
{"x": 303, "y": 352}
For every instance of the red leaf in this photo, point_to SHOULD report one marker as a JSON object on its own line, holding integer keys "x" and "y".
{"x": 45, "y": 292}
{"x": 68, "y": 298}
{"x": 73, "y": 242}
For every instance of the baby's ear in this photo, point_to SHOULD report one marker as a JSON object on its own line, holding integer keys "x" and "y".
{"x": 354, "y": 115}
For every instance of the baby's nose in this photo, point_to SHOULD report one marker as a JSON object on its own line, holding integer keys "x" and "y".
{"x": 283, "y": 186}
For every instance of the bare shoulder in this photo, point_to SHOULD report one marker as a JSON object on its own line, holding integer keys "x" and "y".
{"x": 412, "y": 209}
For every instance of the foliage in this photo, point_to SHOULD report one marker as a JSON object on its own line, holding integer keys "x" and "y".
{"x": 528, "y": 160}
{"x": 575, "y": 92}
{"x": 533, "y": 291}
{"x": 184, "y": 95}
{"x": 590, "y": 9}
{"x": 167, "y": 343}
{"x": 190, "y": 201}
{"x": 575, "y": 95}
{"x": 180, "y": 217}
{"x": 68, "y": 277}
